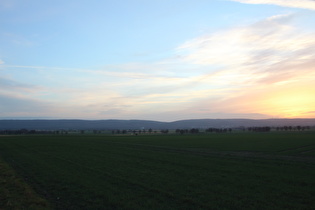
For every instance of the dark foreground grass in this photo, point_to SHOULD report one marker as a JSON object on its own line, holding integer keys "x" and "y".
{"x": 15, "y": 193}
{"x": 217, "y": 171}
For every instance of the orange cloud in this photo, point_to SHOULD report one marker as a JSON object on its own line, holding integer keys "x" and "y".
{"x": 268, "y": 68}
{"x": 293, "y": 100}
{"x": 290, "y": 101}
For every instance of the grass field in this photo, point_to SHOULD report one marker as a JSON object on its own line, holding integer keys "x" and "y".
{"x": 215, "y": 171}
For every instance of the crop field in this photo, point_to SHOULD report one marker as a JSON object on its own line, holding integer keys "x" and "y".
{"x": 274, "y": 170}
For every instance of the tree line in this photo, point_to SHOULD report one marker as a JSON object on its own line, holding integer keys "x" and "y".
{"x": 25, "y": 131}
{"x": 157, "y": 131}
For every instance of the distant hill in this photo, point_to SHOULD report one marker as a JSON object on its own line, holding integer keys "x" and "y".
{"x": 232, "y": 123}
{"x": 78, "y": 124}
{"x": 146, "y": 124}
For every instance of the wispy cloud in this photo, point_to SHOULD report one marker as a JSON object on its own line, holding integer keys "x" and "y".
{"x": 263, "y": 64}
{"x": 8, "y": 85}
{"x": 12, "y": 105}
{"x": 304, "y": 4}
{"x": 269, "y": 48}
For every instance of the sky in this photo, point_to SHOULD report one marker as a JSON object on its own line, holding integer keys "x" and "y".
{"x": 162, "y": 60}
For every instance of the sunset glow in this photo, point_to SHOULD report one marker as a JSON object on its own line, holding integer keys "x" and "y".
{"x": 293, "y": 103}
{"x": 157, "y": 60}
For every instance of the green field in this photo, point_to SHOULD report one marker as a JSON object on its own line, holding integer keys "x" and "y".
{"x": 215, "y": 171}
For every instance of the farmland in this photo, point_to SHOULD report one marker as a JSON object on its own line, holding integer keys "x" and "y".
{"x": 273, "y": 170}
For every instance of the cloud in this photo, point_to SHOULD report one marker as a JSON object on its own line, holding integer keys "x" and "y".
{"x": 7, "y": 4}
{"x": 14, "y": 105}
{"x": 8, "y": 85}
{"x": 290, "y": 100}
{"x": 267, "y": 49}
{"x": 304, "y": 4}
{"x": 312, "y": 113}
{"x": 267, "y": 67}
{"x": 235, "y": 71}
{"x": 238, "y": 45}
{"x": 16, "y": 39}
{"x": 23, "y": 106}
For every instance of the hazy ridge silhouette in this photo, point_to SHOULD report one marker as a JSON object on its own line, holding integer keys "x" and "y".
{"x": 146, "y": 124}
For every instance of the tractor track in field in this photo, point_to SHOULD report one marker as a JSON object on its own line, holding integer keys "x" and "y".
{"x": 229, "y": 154}
{"x": 307, "y": 151}
{"x": 260, "y": 155}
{"x": 297, "y": 148}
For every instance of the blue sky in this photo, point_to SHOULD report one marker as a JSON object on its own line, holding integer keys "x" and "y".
{"x": 160, "y": 60}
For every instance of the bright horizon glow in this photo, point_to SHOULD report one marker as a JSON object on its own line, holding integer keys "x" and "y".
{"x": 160, "y": 60}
